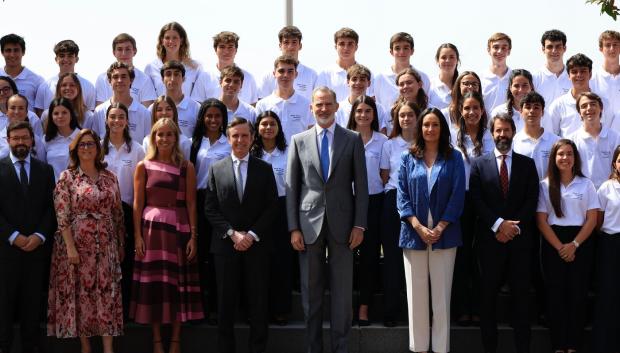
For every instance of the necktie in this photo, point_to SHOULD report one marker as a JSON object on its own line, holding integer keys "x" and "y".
{"x": 239, "y": 179}
{"x": 325, "y": 156}
{"x": 503, "y": 176}
{"x": 23, "y": 176}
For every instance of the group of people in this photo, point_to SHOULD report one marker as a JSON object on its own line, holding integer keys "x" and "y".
{"x": 152, "y": 188}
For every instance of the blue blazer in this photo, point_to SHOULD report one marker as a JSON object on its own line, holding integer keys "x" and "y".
{"x": 445, "y": 198}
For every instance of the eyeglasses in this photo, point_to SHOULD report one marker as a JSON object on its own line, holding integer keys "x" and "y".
{"x": 20, "y": 138}
{"x": 86, "y": 145}
{"x": 470, "y": 84}
{"x": 5, "y": 90}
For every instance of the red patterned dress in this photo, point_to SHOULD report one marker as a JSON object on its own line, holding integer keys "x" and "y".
{"x": 85, "y": 299}
{"x": 166, "y": 287}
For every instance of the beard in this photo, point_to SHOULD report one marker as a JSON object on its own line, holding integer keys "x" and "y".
{"x": 503, "y": 144}
{"x": 20, "y": 151}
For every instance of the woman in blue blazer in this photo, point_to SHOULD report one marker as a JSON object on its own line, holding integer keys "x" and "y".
{"x": 431, "y": 194}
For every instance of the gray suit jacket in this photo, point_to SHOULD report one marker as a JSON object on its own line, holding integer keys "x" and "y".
{"x": 343, "y": 199}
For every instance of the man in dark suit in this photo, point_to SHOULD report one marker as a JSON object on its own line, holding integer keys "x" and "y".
{"x": 241, "y": 205}
{"x": 27, "y": 223}
{"x": 504, "y": 188}
{"x": 326, "y": 202}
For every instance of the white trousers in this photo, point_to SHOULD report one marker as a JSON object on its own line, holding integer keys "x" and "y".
{"x": 419, "y": 264}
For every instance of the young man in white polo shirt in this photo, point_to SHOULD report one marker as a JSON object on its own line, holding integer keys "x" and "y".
{"x": 596, "y": 143}
{"x": 226, "y": 45}
{"x": 231, "y": 81}
{"x": 66, "y": 56}
{"x": 124, "y": 50}
{"x": 606, "y": 80}
{"x": 495, "y": 80}
{"x": 358, "y": 80}
{"x": 552, "y": 81}
{"x": 386, "y": 90}
{"x": 335, "y": 77}
{"x": 563, "y": 119}
{"x": 173, "y": 75}
{"x": 13, "y": 48}
{"x": 291, "y": 107}
{"x": 289, "y": 38}
{"x": 533, "y": 140}
{"x": 120, "y": 77}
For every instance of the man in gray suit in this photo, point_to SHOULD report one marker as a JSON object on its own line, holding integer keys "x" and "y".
{"x": 327, "y": 202}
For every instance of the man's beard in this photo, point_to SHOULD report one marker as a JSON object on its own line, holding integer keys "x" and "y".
{"x": 20, "y": 151}
{"x": 503, "y": 144}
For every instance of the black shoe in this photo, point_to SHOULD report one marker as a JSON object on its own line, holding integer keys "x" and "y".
{"x": 363, "y": 323}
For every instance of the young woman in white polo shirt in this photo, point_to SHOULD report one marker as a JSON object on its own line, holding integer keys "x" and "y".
{"x": 364, "y": 118}
{"x": 69, "y": 87}
{"x": 61, "y": 128}
{"x": 448, "y": 59}
{"x": 606, "y": 328}
{"x": 122, "y": 155}
{"x": 566, "y": 216}
{"x": 404, "y": 116}
{"x": 467, "y": 81}
{"x": 520, "y": 83}
{"x": 472, "y": 139}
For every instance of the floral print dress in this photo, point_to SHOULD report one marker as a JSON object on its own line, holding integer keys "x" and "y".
{"x": 85, "y": 299}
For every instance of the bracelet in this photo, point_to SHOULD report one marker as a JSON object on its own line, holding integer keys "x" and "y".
{"x": 576, "y": 243}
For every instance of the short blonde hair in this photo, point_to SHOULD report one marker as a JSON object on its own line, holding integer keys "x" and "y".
{"x": 177, "y": 155}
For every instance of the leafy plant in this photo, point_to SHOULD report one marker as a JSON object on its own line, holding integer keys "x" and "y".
{"x": 607, "y": 6}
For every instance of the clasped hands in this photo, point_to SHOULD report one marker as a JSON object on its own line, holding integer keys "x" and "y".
{"x": 242, "y": 240}
{"x": 429, "y": 236}
{"x": 507, "y": 231}
{"x": 27, "y": 242}
{"x": 567, "y": 252}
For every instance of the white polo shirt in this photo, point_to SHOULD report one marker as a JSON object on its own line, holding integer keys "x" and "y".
{"x": 277, "y": 159}
{"x": 563, "y": 118}
{"x": 141, "y": 89}
{"x": 47, "y": 91}
{"x": 248, "y": 92}
{"x": 122, "y": 163}
{"x": 207, "y": 86}
{"x": 244, "y": 110}
{"x": 373, "y": 149}
{"x": 208, "y": 154}
{"x": 57, "y": 152}
{"x": 185, "y": 144}
{"x": 335, "y": 78}
{"x": 304, "y": 83}
{"x": 294, "y": 113}
{"x": 494, "y": 89}
{"x": 439, "y": 95}
{"x": 153, "y": 71}
{"x": 596, "y": 153}
{"x": 503, "y": 109}
{"x": 187, "y": 110}
{"x": 551, "y": 86}
{"x": 537, "y": 149}
{"x": 139, "y": 119}
{"x": 344, "y": 112}
{"x": 488, "y": 145}
{"x": 607, "y": 85}
{"x": 27, "y": 84}
{"x": 385, "y": 89}
{"x": 390, "y": 159}
{"x": 609, "y": 198}
{"x": 578, "y": 198}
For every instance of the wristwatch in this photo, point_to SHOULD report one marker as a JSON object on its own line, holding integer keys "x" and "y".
{"x": 576, "y": 243}
{"x": 229, "y": 233}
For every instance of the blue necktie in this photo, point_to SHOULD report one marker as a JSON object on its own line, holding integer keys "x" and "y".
{"x": 325, "y": 155}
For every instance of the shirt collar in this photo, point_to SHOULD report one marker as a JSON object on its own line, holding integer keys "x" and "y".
{"x": 498, "y": 153}
{"x": 15, "y": 159}
{"x": 235, "y": 159}
{"x": 319, "y": 129}
{"x": 275, "y": 153}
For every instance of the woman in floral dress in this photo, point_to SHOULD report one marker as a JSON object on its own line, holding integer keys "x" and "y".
{"x": 84, "y": 293}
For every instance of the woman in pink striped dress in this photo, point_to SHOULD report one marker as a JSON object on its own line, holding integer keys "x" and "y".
{"x": 166, "y": 288}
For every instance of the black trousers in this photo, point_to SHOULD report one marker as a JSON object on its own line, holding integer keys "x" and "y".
{"x": 607, "y": 308}
{"x": 283, "y": 262}
{"x": 369, "y": 250}
{"x": 127, "y": 264}
{"x": 567, "y": 289}
{"x": 466, "y": 283}
{"x": 496, "y": 259}
{"x": 21, "y": 286}
{"x": 251, "y": 267}
{"x": 393, "y": 267}
{"x": 206, "y": 264}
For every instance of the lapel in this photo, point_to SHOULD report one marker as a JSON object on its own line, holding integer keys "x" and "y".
{"x": 13, "y": 177}
{"x": 313, "y": 150}
{"x": 337, "y": 148}
{"x": 229, "y": 174}
{"x": 492, "y": 163}
{"x": 249, "y": 176}
{"x": 439, "y": 163}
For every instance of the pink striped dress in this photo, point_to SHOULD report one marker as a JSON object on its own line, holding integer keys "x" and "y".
{"x": 166, "y": 288}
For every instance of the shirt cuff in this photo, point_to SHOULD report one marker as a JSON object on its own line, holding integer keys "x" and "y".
{"x": 496, "y": 225}
{"x": 256, "y": 238}
{"x": 40, "y": 237}
{"x": 361, "y": 228}
{"x": 13, "y": 237}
